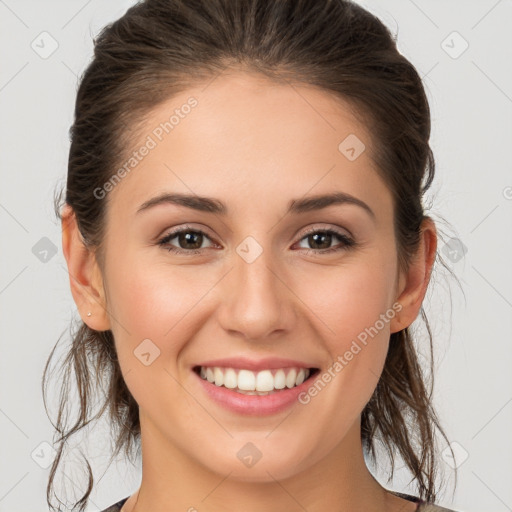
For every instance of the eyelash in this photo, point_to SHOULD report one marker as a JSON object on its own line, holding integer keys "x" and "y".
{"x": 347, "y": 242}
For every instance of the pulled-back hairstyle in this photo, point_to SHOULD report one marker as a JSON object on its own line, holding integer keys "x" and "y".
{"x": 162, "y": 47}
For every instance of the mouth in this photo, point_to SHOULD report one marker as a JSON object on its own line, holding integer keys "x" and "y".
{"x": 263, "y": 382}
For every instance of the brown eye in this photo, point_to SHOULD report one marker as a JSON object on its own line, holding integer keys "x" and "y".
{"x": 320, "y": 240}
{"x": 188, "y": 240}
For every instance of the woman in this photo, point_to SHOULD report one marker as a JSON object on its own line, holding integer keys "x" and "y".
{"x": 247, "y": 248}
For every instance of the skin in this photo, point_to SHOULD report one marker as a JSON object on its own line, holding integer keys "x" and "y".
{"x": 254, "y": 145}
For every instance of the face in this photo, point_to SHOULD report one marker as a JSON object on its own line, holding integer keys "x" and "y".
{"x": 258, "y": 275}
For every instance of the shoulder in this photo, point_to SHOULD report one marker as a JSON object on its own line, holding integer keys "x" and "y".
{"x": 116, "y": 507}
{"x": 431, "y": 507}
{"x": 423, "y": 506}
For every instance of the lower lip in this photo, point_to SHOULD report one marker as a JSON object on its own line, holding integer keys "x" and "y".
{"x": 255, "y": 405}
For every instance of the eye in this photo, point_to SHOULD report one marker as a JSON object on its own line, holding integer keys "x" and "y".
{"x": 324, "y": 237}
{"x": 188, "y": 239}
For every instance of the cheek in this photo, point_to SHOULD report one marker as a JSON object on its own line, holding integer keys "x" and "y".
{"x": 149, "y": 301}
{"x": 351, "y": 310}
{"x": 344, "y": 302}
{"x": 148, "y": 306}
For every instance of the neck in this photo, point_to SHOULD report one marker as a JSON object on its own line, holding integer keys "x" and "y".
{"x": 339, "y": 481}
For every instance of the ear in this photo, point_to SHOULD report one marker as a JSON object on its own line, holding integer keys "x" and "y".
{"x": 85, "y": 277}
{"x": 413, "y": 284}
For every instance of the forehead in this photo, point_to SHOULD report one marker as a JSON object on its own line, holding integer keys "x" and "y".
{"x": 243, "y": 133}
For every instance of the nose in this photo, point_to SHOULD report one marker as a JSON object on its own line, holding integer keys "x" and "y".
{"x": 257, "y": 302}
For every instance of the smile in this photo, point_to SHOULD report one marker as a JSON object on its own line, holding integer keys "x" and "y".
{"x": 263, "y": 382}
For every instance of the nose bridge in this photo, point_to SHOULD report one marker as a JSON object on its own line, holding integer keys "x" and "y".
{"x": 256, "y": 301}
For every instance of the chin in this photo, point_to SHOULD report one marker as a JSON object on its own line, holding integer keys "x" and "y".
{"x": 264, "y": 464}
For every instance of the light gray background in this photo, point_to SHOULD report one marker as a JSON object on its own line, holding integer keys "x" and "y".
{"x": 471, "y": 101}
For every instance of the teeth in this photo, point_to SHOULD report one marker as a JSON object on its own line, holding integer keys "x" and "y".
{"x": 280, "y": 379}
{"x": 247, "y": 381}
{"x": 291, "y": 378}
{"x": 230, "y": 378}
{"x": 265, "y": 381}
{"x": 255, "y": 383}
{"x": 219, "y": 376}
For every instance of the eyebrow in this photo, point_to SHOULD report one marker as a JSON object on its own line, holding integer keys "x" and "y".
{"x": 295, "y": 206}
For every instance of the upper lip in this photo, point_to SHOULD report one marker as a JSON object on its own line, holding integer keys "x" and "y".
{"x": 268, "y": 363}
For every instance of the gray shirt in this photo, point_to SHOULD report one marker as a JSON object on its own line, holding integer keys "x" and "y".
{"x": 423, "y": 506}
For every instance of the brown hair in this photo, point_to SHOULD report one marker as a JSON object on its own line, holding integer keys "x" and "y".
{"x": 161, "y": 47}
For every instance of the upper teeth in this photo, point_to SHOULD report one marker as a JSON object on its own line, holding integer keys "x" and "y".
{"x": 247, "y": 380}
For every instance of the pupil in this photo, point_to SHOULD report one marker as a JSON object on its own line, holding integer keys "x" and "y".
{"x": 315, "y": 236}
{"x": 188, "y": 237}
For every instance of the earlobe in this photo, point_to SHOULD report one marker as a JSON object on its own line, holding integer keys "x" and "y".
{"x": 85, "y": 277}
{"x": 413, "y": 284}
